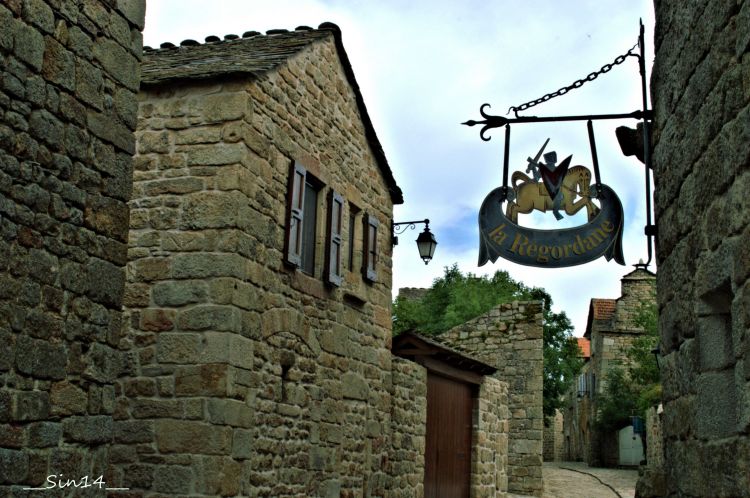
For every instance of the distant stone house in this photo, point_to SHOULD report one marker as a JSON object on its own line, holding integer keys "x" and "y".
{"x": 610, "y": 332}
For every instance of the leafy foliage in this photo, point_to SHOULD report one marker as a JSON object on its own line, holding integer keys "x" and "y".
{"x": 456, "y": 298}
{"x": 618, "y": 402}
{"x": 632, "y": 390}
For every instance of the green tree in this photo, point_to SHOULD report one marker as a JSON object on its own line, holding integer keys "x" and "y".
{"x": 456, "y": 298}
{"x": 633, "y": 389}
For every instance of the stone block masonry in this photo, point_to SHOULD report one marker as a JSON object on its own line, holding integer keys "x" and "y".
{"x": 409, "y": 421}
{"x": 701, "y": 99}
{"x": 489, "y": 459}
{"x": 509, "y": 337}
{"x": 251, "y": 377}
{"x": 70, "y": 74}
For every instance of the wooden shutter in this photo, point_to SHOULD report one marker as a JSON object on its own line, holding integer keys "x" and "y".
{"x": 333, "y": 242}
{"x": 295, "y": 209}
{"x": 370, "y": 247}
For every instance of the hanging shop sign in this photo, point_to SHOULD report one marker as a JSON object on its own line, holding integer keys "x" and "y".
{"x": 552, "y": 188}
{"x": 547, "y": 186}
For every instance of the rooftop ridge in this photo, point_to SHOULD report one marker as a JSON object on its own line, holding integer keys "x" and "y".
{"x": 232, "y": 38}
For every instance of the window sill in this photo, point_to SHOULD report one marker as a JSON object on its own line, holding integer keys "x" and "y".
{"x": 309, "y": 285}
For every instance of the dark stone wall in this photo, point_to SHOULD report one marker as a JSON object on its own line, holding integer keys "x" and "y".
{"x": 701, "y": 98}
{"x": 70, "y": 74}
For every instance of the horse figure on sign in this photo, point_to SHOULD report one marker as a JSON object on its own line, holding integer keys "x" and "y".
{"x": 560, "y": 188}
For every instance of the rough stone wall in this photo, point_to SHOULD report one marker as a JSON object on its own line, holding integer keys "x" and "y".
{"x": 577, "y": 421}
{"x": 253, "y": 378}
{"x": 408, "y": 429}
{"x": 553, "y": 445}
{"x": 412, "y": 293}
{"x": 70, "y": 73}
{"x": 489, "y": 459}
{"x": 701, "y": 98}
{"x": 509, "y": 337}
{"x": 611, "y": 352}
{"x": 654, "y": 438}
{"x": 651, "y": 477}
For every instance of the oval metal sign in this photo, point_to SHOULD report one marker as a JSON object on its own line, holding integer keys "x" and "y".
{"x": 499, "y": 237}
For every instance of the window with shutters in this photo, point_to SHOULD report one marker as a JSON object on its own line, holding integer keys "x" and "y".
{"x": 302, "y": 218}
{"x": 333, "y": 240}
{"x": 370, "y": 247}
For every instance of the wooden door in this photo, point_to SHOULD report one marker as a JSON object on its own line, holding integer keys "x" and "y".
{"x": 448, "y": 446}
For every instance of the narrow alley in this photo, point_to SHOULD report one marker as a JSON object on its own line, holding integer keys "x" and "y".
{"x": 578, "y": 480}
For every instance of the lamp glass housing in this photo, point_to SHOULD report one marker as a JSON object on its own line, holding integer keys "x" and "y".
{"x": 426, "y": 244}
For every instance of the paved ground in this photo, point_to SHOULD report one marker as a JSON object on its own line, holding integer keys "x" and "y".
{"x": 578, "y": 480}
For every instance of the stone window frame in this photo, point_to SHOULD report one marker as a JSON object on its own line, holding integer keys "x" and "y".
{"x": 370, "y": 247}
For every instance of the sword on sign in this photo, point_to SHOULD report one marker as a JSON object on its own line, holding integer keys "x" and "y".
{"x": 533, "y": 163}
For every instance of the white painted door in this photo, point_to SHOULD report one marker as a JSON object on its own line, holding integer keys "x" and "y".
{"x": 631, "y": 447}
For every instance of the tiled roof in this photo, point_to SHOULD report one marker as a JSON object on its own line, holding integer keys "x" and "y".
{"x": 254, "y": 54}
{"x": 585, "y": 346}
{"x": 603, "y": 309}
{"x": 599, "y": 309}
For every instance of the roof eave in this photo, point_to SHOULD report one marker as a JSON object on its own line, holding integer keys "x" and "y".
{"x": 372, "y": 138}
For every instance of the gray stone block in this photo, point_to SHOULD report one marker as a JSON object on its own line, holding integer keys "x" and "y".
{"x": 716, "y": 405}
{"x": 88, "y": 429}
{"x": 134, "y": 11}
{"x": 29, "y": 44}
{"x": 44, "y": 434}
{"x": 41, "y": 358}
{"x": 14, "y": 466}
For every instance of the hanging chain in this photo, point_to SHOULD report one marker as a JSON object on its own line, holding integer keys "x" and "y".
{"x": 578, "y": 84}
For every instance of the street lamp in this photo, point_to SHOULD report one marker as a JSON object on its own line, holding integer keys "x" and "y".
{"x": 426, "y": 242}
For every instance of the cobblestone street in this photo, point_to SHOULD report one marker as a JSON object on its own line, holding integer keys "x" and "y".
{"x": 578, "y": 480}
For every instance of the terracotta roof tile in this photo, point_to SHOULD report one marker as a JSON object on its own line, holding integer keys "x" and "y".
{"x": 599, "y": 309}
{"x": 585, "y": 346}
{"x": 603, "y": 309}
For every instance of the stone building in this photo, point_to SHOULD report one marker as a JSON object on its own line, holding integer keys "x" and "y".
{"x": 610, "y": 330}
{"x": 509, "y": 338}
{"x": 701, "y": 158}
{"x": 259, "y": 282}
{"x": 69, "y": 74}
{"x": 259, "y": 286}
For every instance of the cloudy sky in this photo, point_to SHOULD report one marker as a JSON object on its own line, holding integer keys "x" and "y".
{"x": 425, "y": 67}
